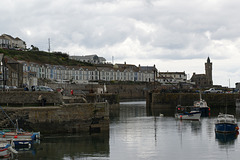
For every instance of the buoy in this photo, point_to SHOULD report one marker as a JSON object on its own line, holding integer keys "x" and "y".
{"x": 15, "y": 136}
{"x": 4, "y": 136}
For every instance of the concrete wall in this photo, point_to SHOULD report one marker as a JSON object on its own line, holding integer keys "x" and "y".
{"x": 68, "y": 118}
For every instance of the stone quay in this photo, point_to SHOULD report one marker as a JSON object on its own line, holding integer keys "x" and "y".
{"x": 60, "y": 114}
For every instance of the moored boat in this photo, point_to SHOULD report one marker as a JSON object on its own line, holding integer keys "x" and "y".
{"x": 6, "y": 149}
{"x": 20, "y": 134}
{"x": 226, "y": 123}
{"x": 203, "y": 107}
{"x": 187, "y": 113}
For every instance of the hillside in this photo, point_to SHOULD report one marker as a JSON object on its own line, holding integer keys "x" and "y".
{"x": 41, "y": 57}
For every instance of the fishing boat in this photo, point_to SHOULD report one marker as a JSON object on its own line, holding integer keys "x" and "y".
{"x": 20, "y": 134}
{"x": 202, "y": 105}
{"x": 6, "y": 149}
{"x": 22, "y": 143}
{"x": 17, "y": 132}
{"x": 226, "y": 123}
{"x": 187, "y": 113}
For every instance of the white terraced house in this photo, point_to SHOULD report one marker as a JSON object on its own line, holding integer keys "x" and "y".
{"x": 84, "y": 74}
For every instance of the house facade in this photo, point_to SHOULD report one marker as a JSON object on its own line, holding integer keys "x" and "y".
{"x": 172, "y": 77}
{"x": 94, "y": 59}
{"x": 11, "y": 72}
{"x": 7, "y": 41}
{"x": 83, "y": 74}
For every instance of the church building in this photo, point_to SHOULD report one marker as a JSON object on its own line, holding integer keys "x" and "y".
{"x": 204, "y": 80}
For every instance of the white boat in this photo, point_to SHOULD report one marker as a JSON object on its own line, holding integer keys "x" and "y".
{"x": 202, "y": 105}
{"x": 187, "y": 113}
{"x": 6, "y": 149}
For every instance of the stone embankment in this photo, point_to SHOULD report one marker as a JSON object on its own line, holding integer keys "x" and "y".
{"x": 158, "y": 100}
{"x": 61, "y": 114}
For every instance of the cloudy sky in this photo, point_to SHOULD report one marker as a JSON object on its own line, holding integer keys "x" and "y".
{"x": 175, "y": 35}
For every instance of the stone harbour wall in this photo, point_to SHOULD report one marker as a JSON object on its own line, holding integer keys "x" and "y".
{"x": 155, "y": 100}
{"x": 70, "y": 118}
{"x": 23, "y": 98}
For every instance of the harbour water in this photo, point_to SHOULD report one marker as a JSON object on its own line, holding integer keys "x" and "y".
{"x": 137, "y": 134}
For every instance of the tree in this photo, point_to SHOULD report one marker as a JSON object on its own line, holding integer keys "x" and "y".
{"x": 34, "y": 48}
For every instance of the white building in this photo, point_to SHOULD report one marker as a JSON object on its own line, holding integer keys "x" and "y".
{"x": 94, "y": 59}
{"x": 85, "y": 74}
{"x": 171, "y": 77}
{"x": 7, "y": 41}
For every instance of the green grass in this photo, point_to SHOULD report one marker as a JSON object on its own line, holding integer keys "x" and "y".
{"x": 41, "y": 57}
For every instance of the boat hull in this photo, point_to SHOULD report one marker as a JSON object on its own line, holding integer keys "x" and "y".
{"x": 188, "y": 116}
{"x": 205, "y": 111}
{"x": 22, "y": 143}
{"x": 226, "y": 127}
{"x": 23, "y": 135}
{"x": 4, "y": 153}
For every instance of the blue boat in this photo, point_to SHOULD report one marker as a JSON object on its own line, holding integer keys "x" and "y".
{"x": 226, "y": 123}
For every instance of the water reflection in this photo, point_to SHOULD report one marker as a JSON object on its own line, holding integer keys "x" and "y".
{"x": 139, "y": 133}
{"x": 226, "y": 138}
{"x": 69, "y": 147}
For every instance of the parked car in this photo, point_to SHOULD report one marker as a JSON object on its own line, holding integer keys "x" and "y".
{"x": 4, "y": 87}
{"x": 213, "y": 90}
{"x": 12, "y": 87}
{"x": 41, "y": 88}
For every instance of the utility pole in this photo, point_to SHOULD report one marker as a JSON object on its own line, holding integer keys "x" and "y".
{"x": 49, "y": 48}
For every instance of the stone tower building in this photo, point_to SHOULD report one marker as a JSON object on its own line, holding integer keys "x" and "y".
{"x": 204, "y": 80}
{"x": 208, "y": 71}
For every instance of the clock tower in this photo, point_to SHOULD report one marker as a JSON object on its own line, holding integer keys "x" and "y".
{"x": 208, "y": 72}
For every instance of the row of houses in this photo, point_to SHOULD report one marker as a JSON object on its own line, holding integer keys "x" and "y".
{"x": 9, "y": 42}
{"x": 86, "y": 74}
{"x": 21, "y": 73}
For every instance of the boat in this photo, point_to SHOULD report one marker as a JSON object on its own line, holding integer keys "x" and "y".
{"x": 6, "y": 149}
{"x": 226, "y": 123}
{"x": 187, "y": 113}
{"x": 20, "y": 134}
{"x": 202, "y": 105}
{"x": 22, "y": 143}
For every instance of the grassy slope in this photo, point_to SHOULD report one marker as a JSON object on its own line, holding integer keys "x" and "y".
{"x": 41, "y": 57}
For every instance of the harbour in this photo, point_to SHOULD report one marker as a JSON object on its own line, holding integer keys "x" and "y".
{"x": 135, "y": 133}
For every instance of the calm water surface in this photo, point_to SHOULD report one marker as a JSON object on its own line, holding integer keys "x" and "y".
{"x": 136, "y": 134}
